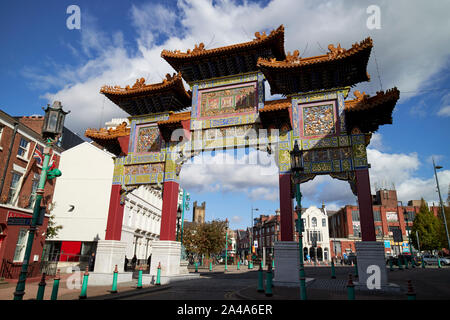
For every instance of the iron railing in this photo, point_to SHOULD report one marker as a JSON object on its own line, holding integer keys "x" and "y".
{"x": 11, "y": 270}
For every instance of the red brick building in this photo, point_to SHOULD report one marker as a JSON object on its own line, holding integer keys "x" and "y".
{"x": 19, "y": 180}
{"x": 389, "y": 214}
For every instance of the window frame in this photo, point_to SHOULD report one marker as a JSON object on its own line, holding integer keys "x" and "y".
{"x": 11, "y": 197}
{"x": 22, "y": 240}
{"x": 26, "y": 150}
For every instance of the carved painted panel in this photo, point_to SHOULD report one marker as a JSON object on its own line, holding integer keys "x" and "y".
{"x": 230, "y": 100}
{"x": 318, "y": 120}
{"x": 148, "y": 139}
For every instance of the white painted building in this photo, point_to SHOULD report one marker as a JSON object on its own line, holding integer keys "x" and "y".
{"x": 82, "y": 196}
{"x": 315, "y": 222}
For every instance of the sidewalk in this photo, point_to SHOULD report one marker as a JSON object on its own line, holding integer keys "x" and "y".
{"x": 318, "y": 289}
{"x": 64, "y": 293}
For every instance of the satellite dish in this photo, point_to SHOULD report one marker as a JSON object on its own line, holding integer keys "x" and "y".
{"x": 71, "y": 208}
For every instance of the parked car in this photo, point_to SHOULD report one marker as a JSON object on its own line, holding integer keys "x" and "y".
{"x": 351, "y": 257}
{"x": 431, "y": 259}
{"x": 402, "y": 257}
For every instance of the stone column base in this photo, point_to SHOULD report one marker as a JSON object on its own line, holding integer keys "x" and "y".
{"x": 109, "y": 254}
{"x": 287, "y": 264}
{"x": 371, "y": 262}
{"x": 168, "y": 253}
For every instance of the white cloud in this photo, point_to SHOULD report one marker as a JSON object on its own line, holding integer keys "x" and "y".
{"x": 409, "y": 47}
{"x": 444, "y": 111}
{"x": 226, "y": 174}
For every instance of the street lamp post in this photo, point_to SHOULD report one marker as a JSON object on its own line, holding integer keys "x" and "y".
{"x": 251, "y": 237}
{"x": 297, "y": 168}
{"x": 52, "y": 127}
{"x": 441, "y": 203}
{"x": 226, "y": 246}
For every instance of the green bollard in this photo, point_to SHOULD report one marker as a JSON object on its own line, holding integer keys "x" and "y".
{"x": 439, "y": 263}
{"x": 238, "y": 265}
{"x": 260, "y": 280}
{"x": 210, "y": 266}
{"x": 273, "y": 264}
{"x": 158, "y": 275}
{"x": 54, "y": 295}
{"x": 83, "y": 294}
{"x": 423, "y": 263}
{"x": 139, "y": 285}
{"x": 350, "y": 288}
{"x": 196, "y": 267}
{"x": 114, "y": 284}
{"x": 411, "y": 294}
{"x": 41, "y": 289}
{"x": 333, "y": 271}
{"x": 269, "y": 283}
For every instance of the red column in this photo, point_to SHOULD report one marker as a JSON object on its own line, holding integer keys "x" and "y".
{"x": 365, "y": 205}
{"x": 169, "y": 211}
{"x": 115, "y": 215}
{"x": 286, "y": 209}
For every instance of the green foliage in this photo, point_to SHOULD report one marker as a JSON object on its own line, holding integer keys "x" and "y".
{"x": 429, "y": 229}
{"x": 205, "y": 238}
{"x": 52, "y": 228}
{"x": 443, "y": 234}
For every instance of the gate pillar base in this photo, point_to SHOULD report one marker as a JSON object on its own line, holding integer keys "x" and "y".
{"x": 109, "y": 254}
{"x": 369, "y": 256}
{"x": 286, "y": 264}
{"x": 168, "y": 253}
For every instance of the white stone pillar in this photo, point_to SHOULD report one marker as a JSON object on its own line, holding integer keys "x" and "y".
{"x": 168, "y": 253}
{"x": 287, "y": 263}
{"x": 371, "y": 264}
{"x": 109, "y": 253}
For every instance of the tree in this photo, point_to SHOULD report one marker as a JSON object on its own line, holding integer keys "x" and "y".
{"x": 52, "y": 228}
{"x": 205, "y": 238}
{"x": 428, "y": 227}
{"x": 443, "y": 233}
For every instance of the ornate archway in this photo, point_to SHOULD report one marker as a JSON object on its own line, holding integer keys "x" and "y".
{"x": 228, "y": 110}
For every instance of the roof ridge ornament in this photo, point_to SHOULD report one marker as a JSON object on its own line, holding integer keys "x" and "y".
{"x": 335, "y": 52}
{"x": 140, "y": 83}
{"x": 294, "y": 57}
{"x": 261, "y": 36}
{"x": 197, "y": 48}
{"x": 360, "y": 96}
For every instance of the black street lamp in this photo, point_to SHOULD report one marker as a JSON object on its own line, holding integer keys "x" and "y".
{"x": 52, "y": 127}
{"x": 441, "y": 203}
{"x": 297, "y": 169}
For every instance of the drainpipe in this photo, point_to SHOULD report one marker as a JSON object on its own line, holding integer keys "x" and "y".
{"x": 5, "y": 170}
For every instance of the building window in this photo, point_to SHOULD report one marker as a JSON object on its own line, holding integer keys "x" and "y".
{"x": 355, "y": 215}
{"x": 324, "y": 222}
{"x": 410, "y": 214}
{"x": 33, "y": 192}
{"x": 314, "y": 222}
{"x": 377, "y": 215}
{"x": 13, "y": 186}
{"x": 19, "y": 253}
{"x": 379, "y": 231}
{"x": 23, "y": 148}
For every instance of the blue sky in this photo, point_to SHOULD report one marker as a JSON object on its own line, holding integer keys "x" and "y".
{"x": 119, "y": 41}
